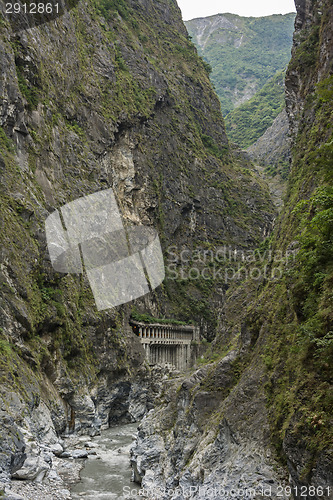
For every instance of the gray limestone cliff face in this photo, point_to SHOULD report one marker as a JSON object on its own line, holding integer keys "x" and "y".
{"x": 212, "y": 432}
{"x": 97, "y": 99}
{"x": 311, "y": 57}
{"x": 234, "y": 435}
{"x": 272, "y": 155}
{"x": 244, "y": 52}
{"x": 274, "y": 146}
{"x": 311, "y": 66}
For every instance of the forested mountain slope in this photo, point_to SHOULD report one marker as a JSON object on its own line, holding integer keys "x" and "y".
{"x": 243, "y": 52}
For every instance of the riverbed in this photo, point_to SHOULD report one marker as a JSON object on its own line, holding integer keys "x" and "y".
{"x": 107, "y": 474}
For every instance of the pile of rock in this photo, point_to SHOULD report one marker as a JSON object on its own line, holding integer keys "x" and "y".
{"x": 48, "y": 471}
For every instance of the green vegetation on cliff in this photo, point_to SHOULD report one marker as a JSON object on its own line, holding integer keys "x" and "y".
{"x": 276, "y": 325}
{"x": 308, "y": 283}
{"x": 114, "y": 95}
{"x": 120, "y": 99}
{"x": 291, "y": 317}
{"x": 250, "y": 120}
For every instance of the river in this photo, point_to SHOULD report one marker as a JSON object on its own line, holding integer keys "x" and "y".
{"x": 106, "y": 477}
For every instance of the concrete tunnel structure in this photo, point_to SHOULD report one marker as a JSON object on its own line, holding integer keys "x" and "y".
{"x": 167, "y": 343}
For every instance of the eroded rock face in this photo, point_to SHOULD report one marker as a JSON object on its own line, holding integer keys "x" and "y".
{"x": 303, "y": 74}
{"x": 311, "y": 67}
{"x": 204, "y": 440}
{"x": 88, "y": 103}
{"x": 225, "y": 424}
{"x": 274, "y": 145}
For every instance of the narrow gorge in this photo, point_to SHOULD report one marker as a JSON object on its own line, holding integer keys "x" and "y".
{"x": 226, "y": 367}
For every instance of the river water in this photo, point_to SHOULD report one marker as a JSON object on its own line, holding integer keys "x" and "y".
{"x": 106, "y": 477}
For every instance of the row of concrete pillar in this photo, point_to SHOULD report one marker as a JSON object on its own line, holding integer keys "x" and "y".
{"x": 160, "y": 332}
{"x": 176, "y": 355}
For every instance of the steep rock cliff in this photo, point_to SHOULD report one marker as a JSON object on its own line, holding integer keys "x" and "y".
{"x": 111, "y": 94}
{"x": 268, "y": 396}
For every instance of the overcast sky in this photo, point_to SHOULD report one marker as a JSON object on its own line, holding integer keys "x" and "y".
{"x": 255, "y": 8}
